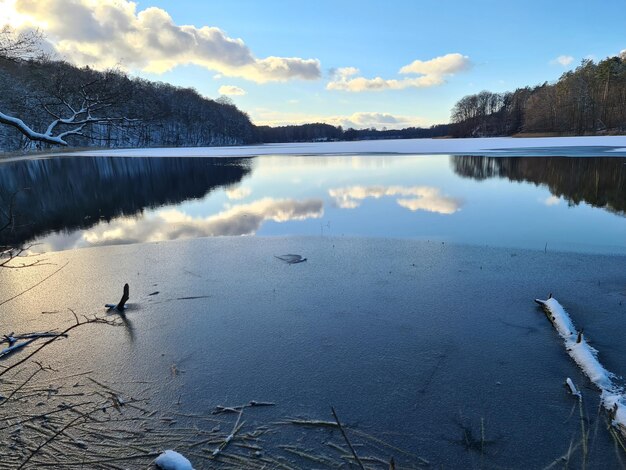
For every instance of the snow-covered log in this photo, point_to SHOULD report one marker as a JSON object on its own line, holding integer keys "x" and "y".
{"x": 612, "y": 395}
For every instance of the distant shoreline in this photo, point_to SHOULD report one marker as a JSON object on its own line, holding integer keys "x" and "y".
{"x": 606, "y": 146}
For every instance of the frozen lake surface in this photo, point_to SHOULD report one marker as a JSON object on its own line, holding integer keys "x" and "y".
{"x": 413, "y": 315}
{"x": 414, "y": 342}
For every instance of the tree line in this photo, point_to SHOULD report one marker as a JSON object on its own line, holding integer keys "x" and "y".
{"x": 588, "y": 100}
{"x": 319, "y": 132}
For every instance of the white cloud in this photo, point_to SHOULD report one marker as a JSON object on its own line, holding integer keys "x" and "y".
{"x": 379, "y": 120}
{"x": 105, "y": 33}
{"x": 231, "y": 90}
{"x": 622, "y": 54}
{"x": 359, "y": 120}
{"x": 444, "y": 65}
{"x": 431, "y": 72}
{"x": 414, "y": 197}
{"x": 563, "y": 60}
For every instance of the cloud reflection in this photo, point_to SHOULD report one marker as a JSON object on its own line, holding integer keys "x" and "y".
{"x": 243, "y": 219}
{"x": 237, "y": 193}
{"x": 552, "y": 201}
{"x": 414, "y": 198}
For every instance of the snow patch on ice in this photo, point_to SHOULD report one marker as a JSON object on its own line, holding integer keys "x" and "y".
{"x": 171, "y": 460}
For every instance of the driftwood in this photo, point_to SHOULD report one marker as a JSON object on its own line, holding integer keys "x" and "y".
{"x": 12, "y": 339}
{"x": 613, "y": 398}
{"x": 15, "y": 347}
{"x": 55, "y": 337}
{"x": 121, "y": 305}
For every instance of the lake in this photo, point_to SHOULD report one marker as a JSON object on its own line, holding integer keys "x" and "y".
{"x": 413, "y": 315}
{"x": 542, "y": 203}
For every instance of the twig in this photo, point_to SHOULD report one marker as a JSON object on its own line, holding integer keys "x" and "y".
{"x": 309, "y": 422}
{"x": 230, "y": 437}
{"x": 34, "y": 285}
{"x": 63, "y": 334}
{"x": 219, "y": 409}
{"x": 343, "y": 433}
{"x": 23, "y": 384}
{"x": 43, "y": 444}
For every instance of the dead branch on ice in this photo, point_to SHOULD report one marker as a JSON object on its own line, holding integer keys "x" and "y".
{"x": 612, "y": 395}
{"x": 55, "y": 337}
{"x": 15, "y": 347}
{"x": 121, "y": 305}
{"x": 219, "y": 409}
{"x": 230, "y": 437}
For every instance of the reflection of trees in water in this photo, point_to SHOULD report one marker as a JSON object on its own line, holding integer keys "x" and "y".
{"x": 600, "y": 182}
{"x": 76, "y": 193}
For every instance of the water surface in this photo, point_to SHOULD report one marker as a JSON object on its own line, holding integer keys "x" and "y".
{"x": 545, "y": 203}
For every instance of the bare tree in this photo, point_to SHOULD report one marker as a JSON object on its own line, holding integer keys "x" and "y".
{"x": 71, "y": 106}
{"x": 73, "y": 120}
{"x": 20, "y": 46}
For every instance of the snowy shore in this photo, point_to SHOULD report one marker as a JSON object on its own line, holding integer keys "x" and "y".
{"x": 506, "y": 146}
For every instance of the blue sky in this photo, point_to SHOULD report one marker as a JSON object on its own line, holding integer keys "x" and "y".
{"x": 494, "y": 45}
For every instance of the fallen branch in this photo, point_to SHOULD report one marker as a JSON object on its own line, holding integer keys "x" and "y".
{"x": 49, "y": 440}
{"x": 121, "y": 305}
{"x": 219, "y": 409}
{"x": 12, "y": 338}
{"x": 15, "y": 347}
{"x": 612, "y": 395}
{"x": 309, "y": 422}
{"x": 230, "y": 437}
{"x": 63, "y": 334}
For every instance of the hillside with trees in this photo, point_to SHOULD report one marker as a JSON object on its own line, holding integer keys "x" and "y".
{"x": 46, "y": 102}
{"x": 588, "y": 100}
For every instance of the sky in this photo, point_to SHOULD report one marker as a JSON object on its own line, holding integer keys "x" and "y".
{"x": 345, "y": 62}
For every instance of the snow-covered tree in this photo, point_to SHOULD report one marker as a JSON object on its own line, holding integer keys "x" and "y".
{"x": 70, "y": 106}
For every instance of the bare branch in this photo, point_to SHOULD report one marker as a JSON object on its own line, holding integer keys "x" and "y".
{"x": 63, "y": 334}
{"x": 22, "y": 46}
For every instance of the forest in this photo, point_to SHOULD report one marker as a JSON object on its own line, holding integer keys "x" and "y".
{"x": 589, "y": 100}
{"x": 123, "y": 112}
